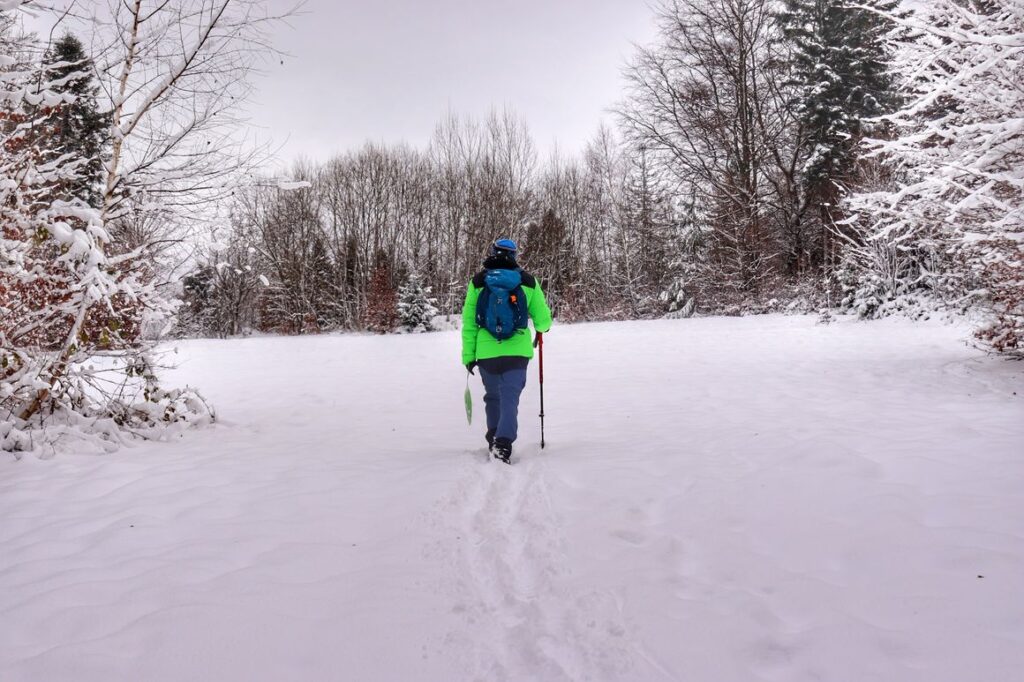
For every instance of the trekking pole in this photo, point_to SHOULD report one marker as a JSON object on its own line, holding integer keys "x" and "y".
{"x": 539, "y": 342}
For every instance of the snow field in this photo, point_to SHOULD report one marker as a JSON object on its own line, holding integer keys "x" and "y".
{"x": 721, "y": 499}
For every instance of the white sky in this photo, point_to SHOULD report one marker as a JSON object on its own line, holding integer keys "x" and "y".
{"x": 388, "y": 70}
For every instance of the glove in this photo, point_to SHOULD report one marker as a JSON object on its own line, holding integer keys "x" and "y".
{"x": 470, "y": 366}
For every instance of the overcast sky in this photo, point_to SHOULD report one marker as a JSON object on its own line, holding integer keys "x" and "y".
{"x": 388, "y": 70}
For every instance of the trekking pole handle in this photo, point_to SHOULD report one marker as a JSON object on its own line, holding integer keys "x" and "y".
{"x": 539, "y": 343}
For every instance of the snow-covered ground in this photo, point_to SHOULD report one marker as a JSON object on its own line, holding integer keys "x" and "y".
{"x": 721, "y": 500}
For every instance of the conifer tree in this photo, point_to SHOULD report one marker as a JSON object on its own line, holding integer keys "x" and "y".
{"x": 381, "y": 313}
{"x": 75, "y": 129}
{"x": 841, "y": 79}
{"x": 195, "y": 315}
{"x": 647, "y": 214}
{"x": 416, "y": 307}
{"x": 548, "y": 255}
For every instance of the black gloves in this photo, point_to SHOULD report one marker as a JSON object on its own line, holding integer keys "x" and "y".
{"x": 470, "y": 366}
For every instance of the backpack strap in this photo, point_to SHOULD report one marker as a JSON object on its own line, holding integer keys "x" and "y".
{"x": 482, "y": 302}
{"x": 479, "y": 282}
{"x": 520, "y": 312}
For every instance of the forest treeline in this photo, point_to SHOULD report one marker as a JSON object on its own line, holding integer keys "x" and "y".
{"x": 761, "y": 152}
{"x": 331, "y": 255}
{"x": 804, "y": 155}
{"x": 810, "y": 155}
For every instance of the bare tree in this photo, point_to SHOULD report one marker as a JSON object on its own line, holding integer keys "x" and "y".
{"x": 698, "y": 106}
{"x": 176, "y": 75}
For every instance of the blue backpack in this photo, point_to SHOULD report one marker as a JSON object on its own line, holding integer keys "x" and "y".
{"x": 501, "y": 307}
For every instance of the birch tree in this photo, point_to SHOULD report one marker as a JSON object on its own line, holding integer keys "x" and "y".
{"x": 72, "y": 287}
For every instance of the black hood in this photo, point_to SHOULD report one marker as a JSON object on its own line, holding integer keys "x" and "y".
{"x": 500, "y": 262}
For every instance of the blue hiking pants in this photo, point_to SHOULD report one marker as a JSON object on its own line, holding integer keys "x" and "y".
{"x": 501, "y": 400}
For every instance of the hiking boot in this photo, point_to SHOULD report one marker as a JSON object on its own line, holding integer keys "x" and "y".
{"x": 502, "y": 449}
{"x": 490, "y": 438}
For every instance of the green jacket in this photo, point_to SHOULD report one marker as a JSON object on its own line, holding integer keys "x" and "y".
{"x": 477, "y": 342}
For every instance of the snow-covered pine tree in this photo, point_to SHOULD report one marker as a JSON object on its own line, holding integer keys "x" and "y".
{"x": 677, "y": 297}
{"x": 840, "y": 77}
{"x": 416, "y": 308}
{"x": 75, "y": 129}
{"x": 195, "y": 315}
{"x": 958, "y": 157}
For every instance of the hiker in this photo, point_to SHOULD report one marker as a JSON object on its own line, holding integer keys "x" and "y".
{"x": 500, "y": 299}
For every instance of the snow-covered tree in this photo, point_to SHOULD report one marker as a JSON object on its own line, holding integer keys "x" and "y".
{"x": 76, "y": 129}
{"x": 64, "y": 300}
{"x": 648, "y": 210}
{"x": 220, "y": 296}
{"x": 83, "y": 292}
{"x": 951, "y": 217}
{"x": 416, "y": 307}
{"x": 176, "y": 75}
{"x": 196, "y": 315}
{"x": 840, "y": 78}
{"x": 287, "y": 231}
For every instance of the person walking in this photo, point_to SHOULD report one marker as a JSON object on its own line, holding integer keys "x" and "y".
{"x": 500, "y": 300}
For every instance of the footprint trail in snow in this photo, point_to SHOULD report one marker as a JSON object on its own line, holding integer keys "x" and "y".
{"x": 522, "y": 615}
